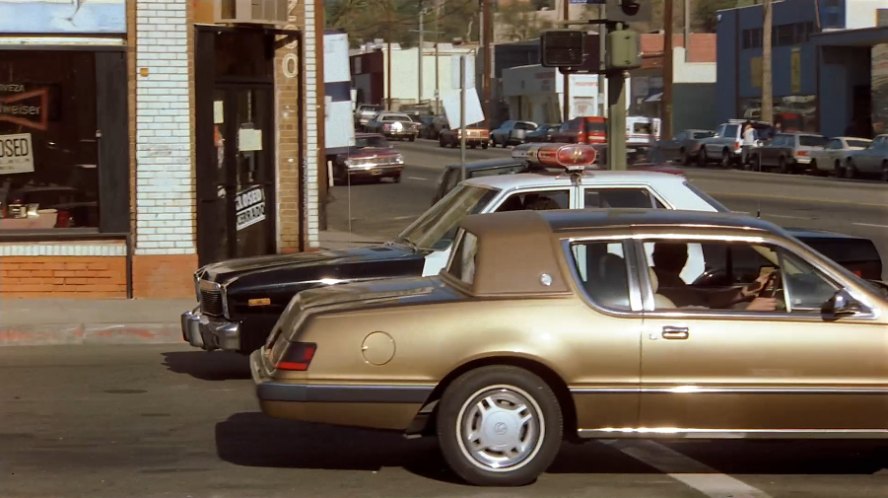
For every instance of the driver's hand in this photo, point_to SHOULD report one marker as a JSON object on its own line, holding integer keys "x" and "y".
{"x": 756, "y": 286}
{"x": 762, "y": 304}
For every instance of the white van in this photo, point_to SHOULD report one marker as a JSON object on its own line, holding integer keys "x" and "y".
{"x": 642, "y": 130}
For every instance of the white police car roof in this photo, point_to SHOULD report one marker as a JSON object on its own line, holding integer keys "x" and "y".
{"x": 589, "y": 177}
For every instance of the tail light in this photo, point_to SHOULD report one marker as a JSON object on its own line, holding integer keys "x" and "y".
{"x": 737, "y": 145}
{"x": 386, "y": 127}
{"x": 297, "y": 357}
{"x": 802, "y": 153}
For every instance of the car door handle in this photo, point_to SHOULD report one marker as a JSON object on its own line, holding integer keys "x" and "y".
{"x": 675, "y": 333}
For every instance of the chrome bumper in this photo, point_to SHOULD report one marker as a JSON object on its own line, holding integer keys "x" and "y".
{"x": 206, "y": 332}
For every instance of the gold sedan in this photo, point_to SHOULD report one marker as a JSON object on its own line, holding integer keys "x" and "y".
{"x": 590, "y": 324}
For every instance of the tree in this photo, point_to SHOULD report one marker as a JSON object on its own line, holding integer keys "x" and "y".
{"x": 703, "y": 14}
{"x": 518, "y": 21}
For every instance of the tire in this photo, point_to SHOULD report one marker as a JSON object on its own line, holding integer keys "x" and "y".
{"x": 478, "y": 456}
{"x": 782, "y": 166}
{"x": 412, "y": 138}
{"x": 850, "y": 170}
{"x": 701, "y": 158}
{"x": 440, "y": 143}
{"x": 484, "y": 146}
{"x": 726, "y": 159}
{"x": 885, "y": 171}
{"x": 838, "y": 170}
{"x": 813, "y": 167}
{"x": 685, "y": 157}
{"x": 396, "y": 179}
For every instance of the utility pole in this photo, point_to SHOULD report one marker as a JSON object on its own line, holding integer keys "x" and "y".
{"x": 666, "y": 100}
{"x": 566, "y": 112}
{"x": 437, "y": 68}
{"x": 422, "y": 12}
{"x": 767, "y": 91}
{"x": 487, "y": 46}
{"x": 388, "y": 58}
{"x": 686, "y": 12}
{"x": 602, "y": 46}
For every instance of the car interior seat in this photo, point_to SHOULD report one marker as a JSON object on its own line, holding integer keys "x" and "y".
{"x": 608, "y": 284}
{"x": 660, "y": 301}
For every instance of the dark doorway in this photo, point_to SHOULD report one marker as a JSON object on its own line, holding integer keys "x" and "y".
{"x": 235, "y": 145}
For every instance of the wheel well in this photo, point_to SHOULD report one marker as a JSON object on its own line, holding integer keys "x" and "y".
{"x": 424, "y": 423}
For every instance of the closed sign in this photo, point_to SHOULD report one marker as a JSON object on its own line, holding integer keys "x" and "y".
{"x": 16, "y": 154}
{"x": 249, "y": 206}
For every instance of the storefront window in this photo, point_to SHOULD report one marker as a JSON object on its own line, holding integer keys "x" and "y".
{"x": 48, "y": 144}
{"x": 793, "y": 113}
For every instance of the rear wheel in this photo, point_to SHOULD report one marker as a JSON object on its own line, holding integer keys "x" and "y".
{"x": 838, "y": 170}
{"x": 850, "y": 170}
{"x": 885, "y": 171}
{"x": 499, "y": 425}
{"x": 685, "y": 157}
{"x": 701, "y": 158}
{"x": 726, "y": 159}
{"x": 782, "y": 165}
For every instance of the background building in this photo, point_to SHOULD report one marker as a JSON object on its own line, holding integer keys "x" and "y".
{"x": 152, "y": 138}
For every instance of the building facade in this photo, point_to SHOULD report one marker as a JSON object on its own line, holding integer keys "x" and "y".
{"x": 822, "y": 64}
{"x": 149, "y": 139}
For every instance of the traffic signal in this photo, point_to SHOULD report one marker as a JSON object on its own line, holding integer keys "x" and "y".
{"x": 562, "y": 48}
{"x": 629, "y": 10}
{"x": 623, "y": 50}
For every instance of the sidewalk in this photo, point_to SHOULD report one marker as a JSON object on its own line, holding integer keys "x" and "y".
{"x": 31, "y": 322}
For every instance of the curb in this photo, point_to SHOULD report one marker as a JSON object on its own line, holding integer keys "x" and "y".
{"x": 89, "y": 334}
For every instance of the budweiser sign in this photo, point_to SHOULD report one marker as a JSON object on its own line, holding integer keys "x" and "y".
{"x": 25, "y": 108}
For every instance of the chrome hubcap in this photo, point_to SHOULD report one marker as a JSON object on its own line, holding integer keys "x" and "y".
{"x": 500, "y": 428}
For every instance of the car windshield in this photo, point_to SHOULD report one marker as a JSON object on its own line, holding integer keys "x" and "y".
{"x": 708, "y": 198}
{"x": 362, "y": 142}
{"x": 396, "y": 117}
{"x": 436, "y": 228}
{"x": 812, "y": 141}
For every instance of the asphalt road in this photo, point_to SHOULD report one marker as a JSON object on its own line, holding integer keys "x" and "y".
{"x": 857, "y": 207}
{"x": 168, "y": 421}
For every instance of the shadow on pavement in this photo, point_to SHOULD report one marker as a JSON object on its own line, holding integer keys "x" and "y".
{"x": 204, "y": 365}
{"x": 256, "y": 440}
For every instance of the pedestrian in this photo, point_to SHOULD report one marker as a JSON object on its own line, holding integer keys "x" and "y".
{"x": 749, "y": 141}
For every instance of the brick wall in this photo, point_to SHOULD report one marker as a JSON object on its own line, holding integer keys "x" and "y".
{"x": 164, "y": 175}
{"x": 63, "y": 276}
{"x": 286, "y": 81}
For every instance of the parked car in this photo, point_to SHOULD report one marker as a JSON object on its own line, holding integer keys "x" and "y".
{"x": 511, "y": 132}
{"x": 872, "y": 160}
{"x": 726, "y": 146}
{"x": 430, "y": 125}
{"x": 684, "y": 146}
{"x": 543, "y": 133}
{"x": 476, "y": 136}
{"x": 372, "y": 157}
{"x": 788, "y": 152}
{"x": 507, "y": 352}
{"x": 832, "y": 157}
{"x": 240, "y": 299}
{"x": 364, "y": 113}
{"x": 582, "y": 130}
{"x": 395, "y": 125}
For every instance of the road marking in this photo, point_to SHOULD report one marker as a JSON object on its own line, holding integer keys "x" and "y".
{"x": 420, "y": 178}
{"x": 787, "y": 216}
{"x": 682, "y": 468}
{"x": 870, "y": 225}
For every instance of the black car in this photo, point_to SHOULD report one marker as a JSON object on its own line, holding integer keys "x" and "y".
{"x": 543, "y": 133}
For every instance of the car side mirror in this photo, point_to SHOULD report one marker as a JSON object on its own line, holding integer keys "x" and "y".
{"x": 841, "y": 303}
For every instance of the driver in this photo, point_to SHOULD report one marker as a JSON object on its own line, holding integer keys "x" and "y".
{"x": 670, "y": 258}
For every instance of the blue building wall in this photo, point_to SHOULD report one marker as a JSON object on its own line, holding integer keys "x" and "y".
{"x": 739, "y": 51}
{"x": 842, "y": 68}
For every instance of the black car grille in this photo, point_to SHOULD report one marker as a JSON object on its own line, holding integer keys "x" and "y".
{"x": 211, "y": 302}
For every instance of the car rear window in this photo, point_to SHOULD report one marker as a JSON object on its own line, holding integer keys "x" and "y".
{"x": 703, "y": 134}
{"x": 596, "y": 126}
{"x": 812, "y": 141}
{"x": 858, "y": 143}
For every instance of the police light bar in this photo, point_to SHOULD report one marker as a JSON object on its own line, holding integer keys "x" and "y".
{"x": 572, "y": 157}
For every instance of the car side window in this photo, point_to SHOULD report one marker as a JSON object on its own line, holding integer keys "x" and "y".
{"x": 620, "y": 198}
{"x": 538, "y": 200}
{"x": 462, "y": 261}
{"x": 602, "y": 272}
{"x": 735, "y": 276}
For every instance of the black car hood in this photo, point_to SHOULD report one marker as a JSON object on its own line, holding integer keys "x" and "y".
{"x": 326, "y": 263}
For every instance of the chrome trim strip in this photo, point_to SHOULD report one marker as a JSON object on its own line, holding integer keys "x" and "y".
{"x": 729, "y": 390}
{"x": 691, "y": 433}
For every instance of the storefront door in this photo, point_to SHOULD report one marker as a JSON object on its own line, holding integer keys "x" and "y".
{"x": 236, "y": 184}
